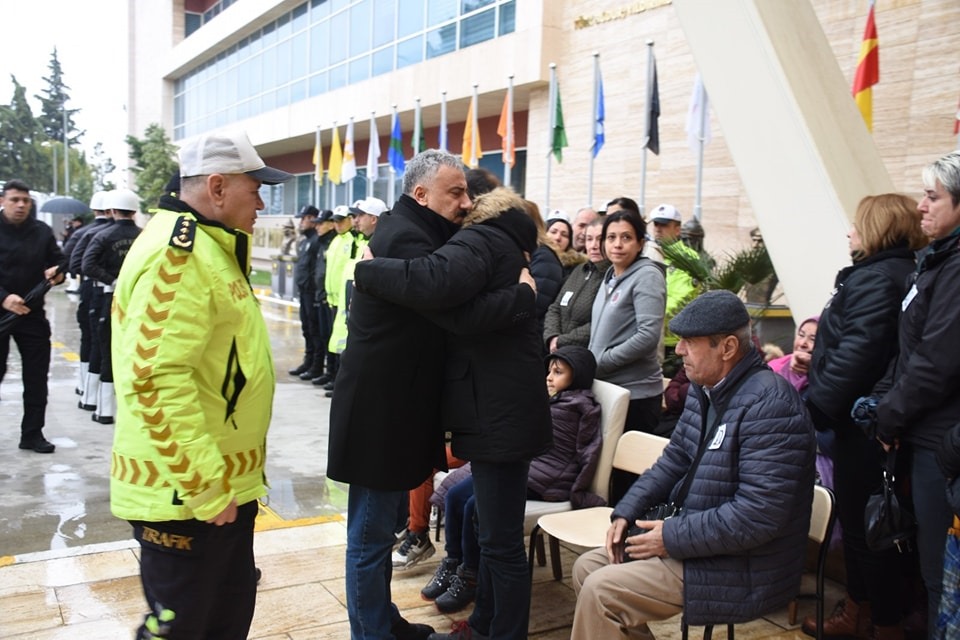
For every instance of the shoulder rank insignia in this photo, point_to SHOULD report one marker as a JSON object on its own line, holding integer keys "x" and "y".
{"x": 183, "y": 233}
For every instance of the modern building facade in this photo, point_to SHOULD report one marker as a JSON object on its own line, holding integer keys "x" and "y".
{"x": 281, "y": 69}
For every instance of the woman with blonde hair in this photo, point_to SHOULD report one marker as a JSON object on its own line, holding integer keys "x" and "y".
{"x": 856, "y": 340}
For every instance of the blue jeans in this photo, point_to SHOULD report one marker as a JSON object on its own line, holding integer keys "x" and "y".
{"x": 461, "y": 534}
{"x": 502, "y": 609}
{"x": 372, "y": 518}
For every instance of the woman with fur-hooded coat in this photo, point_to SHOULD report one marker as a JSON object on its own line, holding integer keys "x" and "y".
{"x": 494, "y": 400}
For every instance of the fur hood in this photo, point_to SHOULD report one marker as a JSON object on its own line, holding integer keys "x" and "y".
{"x": 571, "y": 258}
{"x": 504, "y": 209}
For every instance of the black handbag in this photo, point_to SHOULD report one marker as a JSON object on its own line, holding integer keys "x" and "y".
{"x": 886, "y": 522}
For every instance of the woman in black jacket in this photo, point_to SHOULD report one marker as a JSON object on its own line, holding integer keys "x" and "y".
{"x": 856, "y": 340}
{"x": 494, "y": 400}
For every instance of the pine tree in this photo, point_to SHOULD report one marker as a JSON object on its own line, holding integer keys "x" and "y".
{"x": 154, "y": 159}
{"x": 53, "y": 105}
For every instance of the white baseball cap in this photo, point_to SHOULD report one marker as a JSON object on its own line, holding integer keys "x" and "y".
{"x": 558, "y": 213}
{"x": 666, "y": 213}
{"x": 227, "y": 152}
{"x": 371, "y": 206}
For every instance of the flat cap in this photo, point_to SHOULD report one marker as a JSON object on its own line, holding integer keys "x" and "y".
{"x": 712, "y": 313}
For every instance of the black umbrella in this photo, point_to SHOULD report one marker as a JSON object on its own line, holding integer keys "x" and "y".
{"x": 63, "y": 204}
{"x": 8, "y": 318}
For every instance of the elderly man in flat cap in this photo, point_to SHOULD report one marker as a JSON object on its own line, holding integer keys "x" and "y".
{"x": 717, "y": 528}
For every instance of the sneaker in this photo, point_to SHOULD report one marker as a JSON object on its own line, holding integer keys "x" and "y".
{"x": 460, "y": 631}
{"x": 415, "y": 548}
{"x": 440, "y": 581}
{"x": 461, "y": 592}
{"x": 400, "y": 537}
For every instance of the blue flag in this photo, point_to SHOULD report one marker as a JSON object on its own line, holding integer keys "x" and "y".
{"x": 395, "y": 153}
{"x": 598, "y": 118}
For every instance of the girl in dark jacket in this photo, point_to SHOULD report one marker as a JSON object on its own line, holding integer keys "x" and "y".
{"x": 565, "y": 472}
{"x": 856, "y": 340}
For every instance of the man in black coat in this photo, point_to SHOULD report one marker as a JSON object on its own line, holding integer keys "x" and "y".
{"x": 303, "y": 272}
{"x": 386, "y": 436}
{"x": 28, "y": 255}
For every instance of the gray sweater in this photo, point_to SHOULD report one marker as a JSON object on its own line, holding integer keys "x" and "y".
{"x": 627, "y": 326}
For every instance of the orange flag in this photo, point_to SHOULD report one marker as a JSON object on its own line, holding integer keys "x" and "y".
{"x": 505, "y": 131}
{"x": 868, "y": 70}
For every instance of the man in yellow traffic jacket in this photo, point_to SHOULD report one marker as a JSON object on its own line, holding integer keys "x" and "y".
{"x": 194, "y": 381}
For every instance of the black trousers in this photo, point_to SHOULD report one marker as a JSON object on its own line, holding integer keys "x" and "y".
{"x": 83, "y": 319}
{"x": 199, "y": 579}
{"x": 310, "y": 328}
{"x": 324, "y": 329}
{"x": 93, "y": 324}
{"x": 103, "y": 336}
{"x": 32, "y": 335}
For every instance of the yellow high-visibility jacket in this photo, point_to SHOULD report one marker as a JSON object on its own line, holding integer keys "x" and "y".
{"x": 193, "y": 373}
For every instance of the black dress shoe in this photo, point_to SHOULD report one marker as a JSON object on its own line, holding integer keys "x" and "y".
{"x": 297, "y": 371}
{"x": 328, "y": 386}
{"x": 403, "y": 630}
{"x": 322, "y": 380}
{"x": 328, "y": 394}
{"x": 102, "y": 419}
{"x": 310, "y": 374}
{"x": 38, "y": 444}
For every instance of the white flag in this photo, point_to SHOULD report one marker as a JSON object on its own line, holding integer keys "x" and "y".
{"x": 349, "y": 170}
{"x": 373, "y": 151}
{"x": 699, "y": 111}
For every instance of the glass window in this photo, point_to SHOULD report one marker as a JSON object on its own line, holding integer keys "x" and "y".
{"x": 300, "y": 17}
{"x": 282, "y": 96}
{"x": 268, "y": 102}
{"x": 298, "y": 91}
{"x": 466, "y": 6}
{"x": 359, "y": 69}
{"x": 269, "y": 67}
{"x": 508, "y": 18}
{"x": 360, "y": 28}
{"x": 268, "y": 35}
{"x": 193, "y": 21}
{"x": 384, "y": 21}
{"x": 440, "y": 11}
{"x": 478, "y": 28}
{"x": 319, "y": 46}
{"x": 283, "y": 63}
{"x": 338, "y": 77}
{"x": 442, "y": 40}
{"x": 298, "y": 56}
{"x": 256, "y": 44}
{"x": 318, "y": 84}
{"x": 339, "y": 4}
{"x": 338, "y": 37}
{"x": 409, "y": 52}
{"x": 284, "y": 27}
{"x": 319, "y": 9}
{"x": 383, "y": 61}
{"x": 410, "y": 17}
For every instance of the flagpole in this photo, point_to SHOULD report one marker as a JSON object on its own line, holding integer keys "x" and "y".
{"x": 698, "y": 198}
{"x": 553, "y": 123}
{"x": 646, "y": 128}
{"x": 317, "y": 169}
{"x": 370, "y": 179}
{"x": 331, "y": 194}
{"x": 593, "y": 152}
{"x": 443, "y": 121}
{"x": 507, "y": 169}
{"x": 415, "y": 143}
{"x": 392, "y": 187}
{"x": 475, "y": 127}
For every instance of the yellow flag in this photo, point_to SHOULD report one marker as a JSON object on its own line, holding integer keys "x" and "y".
{"x": 336, "y": 158}
{"x": 318, "y": 161}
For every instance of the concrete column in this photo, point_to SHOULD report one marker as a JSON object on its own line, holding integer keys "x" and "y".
{"x": 801, "y": 148}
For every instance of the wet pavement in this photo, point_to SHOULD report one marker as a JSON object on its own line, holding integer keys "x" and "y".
{"x": 61, "y": 500}
{"x": 68, "y": 569}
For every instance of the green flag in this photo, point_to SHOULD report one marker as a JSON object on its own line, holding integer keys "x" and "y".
{"x": 559, "y": 134}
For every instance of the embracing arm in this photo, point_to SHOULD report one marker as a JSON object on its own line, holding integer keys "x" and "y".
{"x": 489, "y": 311}
{"x": 449, "y": 277}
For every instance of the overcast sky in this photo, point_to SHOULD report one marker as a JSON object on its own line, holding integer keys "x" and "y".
{"x": 91, "y": 42}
